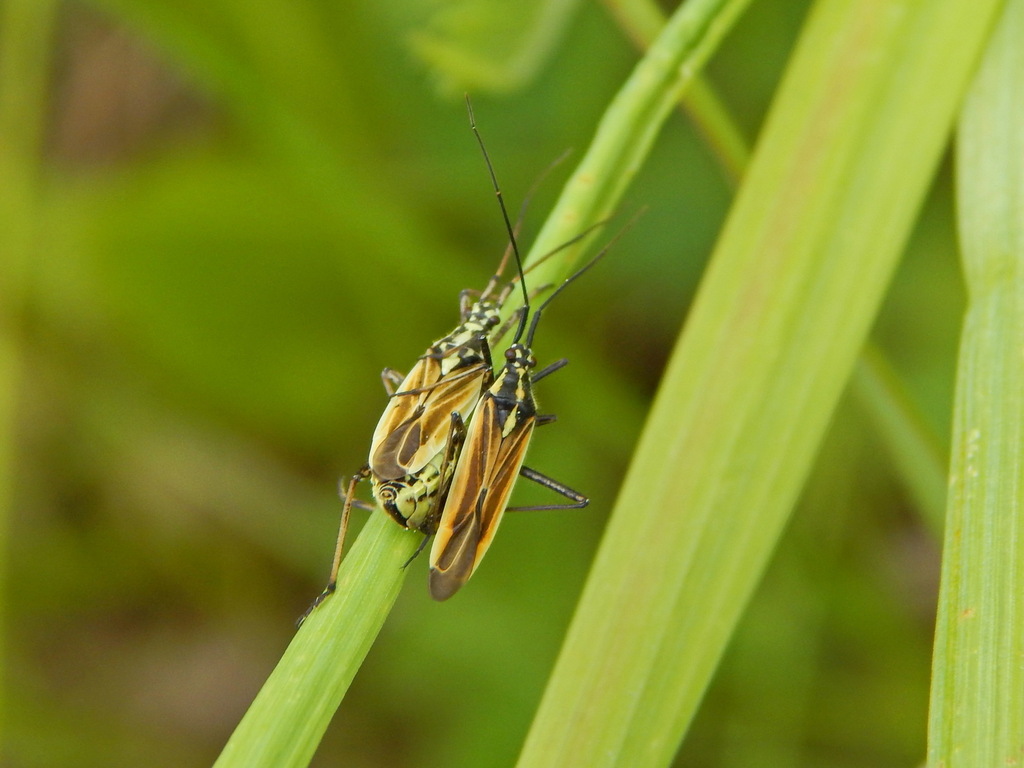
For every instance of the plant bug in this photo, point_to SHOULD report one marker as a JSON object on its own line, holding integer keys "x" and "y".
{"x": 456, "y": 369}
{"x": 491, "y": 458}
{"x": 494, "y": 448}
{"x": 420, "y": 433}
{"x": 448, "y": 378}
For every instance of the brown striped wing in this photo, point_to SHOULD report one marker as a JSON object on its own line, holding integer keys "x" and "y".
{"x": 480, "y": 490}
{"x": 414, "y": 427}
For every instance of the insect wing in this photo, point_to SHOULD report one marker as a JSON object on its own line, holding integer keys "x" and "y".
{"x": 414, "y": 426}
{"x": 415, "y": 501}
{"x": 483, "y": 481}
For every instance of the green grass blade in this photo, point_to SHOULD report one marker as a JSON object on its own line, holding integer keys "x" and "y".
{"x": 488, "y": 45}
{"x": 629, "y": 126}
{"x": 913, "y": 446}
{"x": 854, "y": 138}
{"x": 642, "y": 21}
{"x": 977, "y": 702}
{"x": 291, "y": 712}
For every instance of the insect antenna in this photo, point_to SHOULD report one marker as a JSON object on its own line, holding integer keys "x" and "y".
{"x": 572, "y": 278}
{"x": 521, "y": 215}
{"x": 504, "y": 215}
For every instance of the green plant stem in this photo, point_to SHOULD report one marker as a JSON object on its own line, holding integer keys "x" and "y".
{"x": 286, "y": 721}
{"x": 852, "y": 142}
{"x": 629, "y": 126}
{"x": 642, "y": 21}
{"x": 977, "y": 702}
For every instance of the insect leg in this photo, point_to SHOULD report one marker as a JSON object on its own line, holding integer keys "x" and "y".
{"x": 343, "y": 494}
{"x": 579, "y": 500}
{"x": 420, "y": 548}
{"x": 466, "y": 297}
{"x": 456, "y": 437}
{"x": 544, "y": 418}
{"x": 548, "y": 370}
{"x": 346, "y": 512}
{"x": 332, "y": 582}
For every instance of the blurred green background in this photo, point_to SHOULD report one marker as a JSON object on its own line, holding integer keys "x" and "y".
{"x": 240, "y": 213}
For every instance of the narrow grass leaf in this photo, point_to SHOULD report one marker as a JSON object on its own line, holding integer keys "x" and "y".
{"x": 293, "y": 709}
{"x": 629, "y": 126}
{"x": 843, "y": 164}
{"x": 488, "y": 44}
{"x": 642, "y": 21}
{"x": 913, "y": 447}
{"x": 977, "y": 701}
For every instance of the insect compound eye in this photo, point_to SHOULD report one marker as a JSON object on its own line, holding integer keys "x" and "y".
{"x": 510, "y": 354}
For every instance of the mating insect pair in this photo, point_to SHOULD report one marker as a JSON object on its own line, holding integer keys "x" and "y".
{"x": 448, "y": 448}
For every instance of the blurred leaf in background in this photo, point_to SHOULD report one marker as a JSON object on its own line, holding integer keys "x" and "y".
{"x": 484, "y": 44}
{"x": 246, "y": 212}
